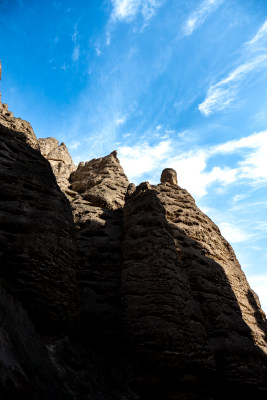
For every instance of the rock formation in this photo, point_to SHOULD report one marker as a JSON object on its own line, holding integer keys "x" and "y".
{"x": 60, "y": 161}
{"x": 37, "y": 237}
{"x": 97, "y": 210}
{"x": 169, "y": 175}
{"x": 101, "y": 181}
{"x": 220, "y": 313}
{"x": 110, "y": 291}
{"x": 8, "y": 120}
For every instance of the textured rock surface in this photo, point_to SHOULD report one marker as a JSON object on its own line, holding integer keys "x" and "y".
{"x": 37, "y": 237}
{"x": 101, "y": 181}
{"x": 60, "y": 161}
{"x": 25, "y": 368}
{"x": 235, "y": 323}
{"x": 169, "y": 175}
{"x": 102, "y": 185}
{"x": 99, "y": 258}
{"x": 161, "y": 319}
{"x": 160, "y": 315}
{"x": 8, "y": 120}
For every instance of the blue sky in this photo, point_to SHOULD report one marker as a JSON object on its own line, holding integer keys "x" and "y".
{"x": 168, "y": 83}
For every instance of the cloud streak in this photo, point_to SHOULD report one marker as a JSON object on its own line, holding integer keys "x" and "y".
{"x": 76, "y": 49}
{"x": 198, "y": 17}
{"x": 126, "y": 10}
{"x": 191, "y": 166}
{"x": 254, "y": 59}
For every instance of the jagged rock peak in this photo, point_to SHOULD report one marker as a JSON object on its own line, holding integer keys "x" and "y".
{"x": 60, "y": 160}
{"x": 101, "y": 181}
{"x": 169, "y": 175}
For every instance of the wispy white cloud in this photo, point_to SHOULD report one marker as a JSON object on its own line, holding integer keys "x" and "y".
{"x": 74, "y": 145}
{"x": 140, "y": 159}
{"x": 233, "y": 233}
{"x": 108, "y": 38}
{"x": 76, "y": 49}
{"x": 98, "y": 51}
{"x": 76, "y": 53}
{"x": 254, "y": 59}
{"x": 120, "y": 120}
{"x": 223, "y": 93}
{"x": 193, "y": 175}
{"x": 63, "y": 67}
{"x": 262, "y": 32}
{"x": 259, "y": 284}
{"x": 75, "y": 34}
{"x": 126, "y": 10}
{"x": 254, "y": 163}
{"x": 191, "y": 166}
{"x": 198, "y": 16}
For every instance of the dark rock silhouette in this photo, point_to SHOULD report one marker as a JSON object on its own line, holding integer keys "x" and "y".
{"x": 116, "y": 292}
{"x": 37, "y": 236}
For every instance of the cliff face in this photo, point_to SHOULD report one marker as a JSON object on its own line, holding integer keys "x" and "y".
{"x": 137, "y": 292}
{"x": 37, "y": 234}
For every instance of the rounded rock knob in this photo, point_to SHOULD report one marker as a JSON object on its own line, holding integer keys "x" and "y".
{"x": 169, "y": 175}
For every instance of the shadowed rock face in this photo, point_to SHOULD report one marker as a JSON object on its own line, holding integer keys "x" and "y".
{"x": 25, "y": 368}
{"x": 101, "y": 186}
{"x": 162, "y": 321}
{"x": 37, "y": 237}
{"x": 184, "y": 292}
{"x": 235, "y": 323}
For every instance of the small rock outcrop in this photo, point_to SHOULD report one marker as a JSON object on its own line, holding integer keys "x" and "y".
{"x": 169, "y": 175}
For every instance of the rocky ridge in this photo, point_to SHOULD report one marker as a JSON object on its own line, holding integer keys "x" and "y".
{"x": 126, "y": 292}
{"x": 8, "y": 120}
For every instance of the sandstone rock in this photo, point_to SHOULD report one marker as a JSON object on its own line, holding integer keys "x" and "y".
{"x": 25, "y": 368}
{"x": 101, "y": 181}
{"x": 37, "y": 237}
{"x": 235, "y": 323}
{"x": 169, "y": 175}
{"x": 8, "y": 120}
{"x": 60, "y": 161}
{"x": 102, "y": 185}
{"x": 99, "y": 258}
{"x": 161, "y": 319}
